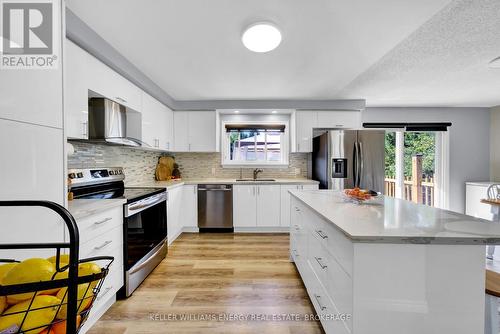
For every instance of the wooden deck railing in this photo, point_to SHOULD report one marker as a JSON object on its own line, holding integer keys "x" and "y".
{"x": 418, "y": 190}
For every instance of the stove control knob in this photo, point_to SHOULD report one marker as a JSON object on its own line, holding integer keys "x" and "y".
{"x": 79, "y": 175}
{"x": 111, "y": 172}
{"x": 72, "y": 175}
{"x": 120, "y": 171}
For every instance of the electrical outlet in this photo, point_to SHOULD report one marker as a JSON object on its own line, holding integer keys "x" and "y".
{"x": 297, "y": 171}
{"x": 213, "y": 171}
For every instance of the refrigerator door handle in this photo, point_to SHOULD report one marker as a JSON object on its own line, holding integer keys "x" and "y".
{"x": 355, "y": 165}
{"x": 360, "y": 162}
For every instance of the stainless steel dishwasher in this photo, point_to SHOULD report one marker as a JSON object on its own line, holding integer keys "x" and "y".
{"x": 215, "y": 207}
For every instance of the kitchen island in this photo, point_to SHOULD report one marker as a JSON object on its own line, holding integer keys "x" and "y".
{"x": 389, "y": 265}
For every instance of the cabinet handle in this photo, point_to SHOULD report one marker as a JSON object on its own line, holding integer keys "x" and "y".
{"x": 298, "y": 147}
{"x": 102, "y": 294}
{"x": 253, "y": 189}
{"x": 85, "y": 128}
{"x": 297, "y": 209}
{"x": 318, "y": 259}
{"x": 120, "y": 99}
{"x": 103, "y": 221}
{"x": 318, "y": 298}
{"x": 321, "y": 234}
{"x": 258, "y": 191}
{"x": 104, "y": 244}
{"x": 297, "y": 227}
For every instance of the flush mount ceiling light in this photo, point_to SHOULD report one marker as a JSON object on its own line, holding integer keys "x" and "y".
{"x": 261, "y": 37}
{"x": 495, "y": 63}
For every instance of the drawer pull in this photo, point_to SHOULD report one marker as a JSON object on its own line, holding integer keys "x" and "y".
{"x": 104, "y": 244}
{"x": 297, "y": 209}
{"x": 297, "y": 227}
{"x": 321, "y": 234}
{"x": 103, "y": 221}
{"x": 321, "y": 307}
{"x": 108, "y": 289}
{"x": 318, "y": 259}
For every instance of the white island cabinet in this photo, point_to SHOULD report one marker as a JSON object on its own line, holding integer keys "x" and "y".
{"x": 390, "y": 266}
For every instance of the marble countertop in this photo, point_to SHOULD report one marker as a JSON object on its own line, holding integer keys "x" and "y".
{"x": 390, "y": 220}
{"x": 175, "y": 183}
{"x": 81, "y": 208}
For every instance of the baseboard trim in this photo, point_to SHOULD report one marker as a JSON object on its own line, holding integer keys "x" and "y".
{"x": 262, "y": 229}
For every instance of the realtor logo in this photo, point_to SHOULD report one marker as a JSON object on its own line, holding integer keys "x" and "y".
{"x": 28, "y": 35}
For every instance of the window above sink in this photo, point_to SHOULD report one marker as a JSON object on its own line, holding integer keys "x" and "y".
{"x": 255, "y": 144}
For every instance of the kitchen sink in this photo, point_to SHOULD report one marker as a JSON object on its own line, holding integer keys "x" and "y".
{"x": 256, "y": 180}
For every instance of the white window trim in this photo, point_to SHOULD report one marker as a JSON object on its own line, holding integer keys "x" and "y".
{"x": 285, "y": 147}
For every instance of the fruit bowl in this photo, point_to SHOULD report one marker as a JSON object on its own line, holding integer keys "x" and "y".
{"x": 34, "y": 293}
{"x": 357, "y": 195}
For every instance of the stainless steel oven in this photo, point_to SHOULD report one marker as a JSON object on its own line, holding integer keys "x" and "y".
{"x": 145, "y": 238}
{"x": 144, "y": 219}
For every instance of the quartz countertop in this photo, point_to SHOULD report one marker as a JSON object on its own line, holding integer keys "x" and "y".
{"x": 389, "y": 220}
{"x": 81, "y": 208}
{"x": 482, "y": 183}
{"x": 175, "y": 183}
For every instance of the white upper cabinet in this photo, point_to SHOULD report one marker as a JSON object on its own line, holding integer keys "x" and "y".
{"x": 76, "y": 92}
{"x": 84, "y": 73}
{"x": 195, "y": 131}
{"x": 339, "y": 119}
{"x": 157, "y": 123}
{"x": 304, "y": 121}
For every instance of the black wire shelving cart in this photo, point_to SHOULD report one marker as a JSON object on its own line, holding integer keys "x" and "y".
{"x": 80, "y": 292}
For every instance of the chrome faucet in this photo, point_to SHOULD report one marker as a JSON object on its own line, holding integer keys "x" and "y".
{"x": 256, "y": 172}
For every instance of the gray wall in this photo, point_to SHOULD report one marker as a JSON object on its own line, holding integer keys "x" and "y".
{"x": 469, "y": 142}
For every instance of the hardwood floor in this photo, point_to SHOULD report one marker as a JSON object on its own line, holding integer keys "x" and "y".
{"x": 207, "y": 276}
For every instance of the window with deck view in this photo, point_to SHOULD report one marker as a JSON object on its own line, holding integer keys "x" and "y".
{"x": 255, "y": 144}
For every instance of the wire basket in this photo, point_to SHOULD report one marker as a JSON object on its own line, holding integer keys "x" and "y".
{"x": 60, "y": 305}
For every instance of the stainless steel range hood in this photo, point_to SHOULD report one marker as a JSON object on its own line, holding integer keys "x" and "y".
{"x": 108, "y": 123}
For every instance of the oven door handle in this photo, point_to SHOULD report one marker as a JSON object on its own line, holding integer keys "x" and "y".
{"x": 145, "y": 263}
{"x": 142, "y": 205}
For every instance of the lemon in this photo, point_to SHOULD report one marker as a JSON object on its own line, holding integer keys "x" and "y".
{"x": 88, "y": 268}
{"x": 58, "y": 275}
{"x": 63, "y": 259}
{"x": 3, "y": 303}
{"x": 5, "y": 268}
{"x": 85, "y": 295}
{"x": 28, "y": 271}
{"x": 45, "y": 315}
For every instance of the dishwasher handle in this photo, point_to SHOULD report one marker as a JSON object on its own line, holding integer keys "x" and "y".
{"x": 203, "y": 189}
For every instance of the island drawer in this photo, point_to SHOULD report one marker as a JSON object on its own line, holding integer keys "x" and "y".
{"x": 337, "y": 283}
{"x": 325, "y": 307}
{"x": 334, "y": 241}
{"x": 109, "y": 243}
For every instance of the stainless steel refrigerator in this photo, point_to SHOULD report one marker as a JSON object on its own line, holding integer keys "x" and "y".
{"x": 349, "y": 158}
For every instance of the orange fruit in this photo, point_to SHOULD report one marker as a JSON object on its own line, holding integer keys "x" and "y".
{"x": 60, "y": 327}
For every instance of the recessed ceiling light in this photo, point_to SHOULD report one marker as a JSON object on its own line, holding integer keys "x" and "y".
{"x": 274, "y": 111}
{"x": 495, "y": 63}
{"x": 261, "y": 37}
{"x": 236, "y": 111}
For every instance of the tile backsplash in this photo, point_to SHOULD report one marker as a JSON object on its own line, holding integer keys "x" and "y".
{"x": 139, "y": 165}
{"x": 208, "y": 165}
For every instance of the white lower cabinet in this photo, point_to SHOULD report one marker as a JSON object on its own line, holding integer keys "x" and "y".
{"x": 102, "y": 235}
{"x": 190, "y": 206}
{"x": 256, "y": 205}
{"x": 285, "y": 200}
{"x": 174, "y": 213}
{"x": 244, "y": 206}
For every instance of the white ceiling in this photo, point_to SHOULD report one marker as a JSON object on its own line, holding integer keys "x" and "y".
{"x": 192, "y": 48}
{"x": 390, "y": 52}
{"x": 444, "y": 63}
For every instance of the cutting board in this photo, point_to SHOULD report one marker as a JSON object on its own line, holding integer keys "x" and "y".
{"x": 164, "y": 168}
